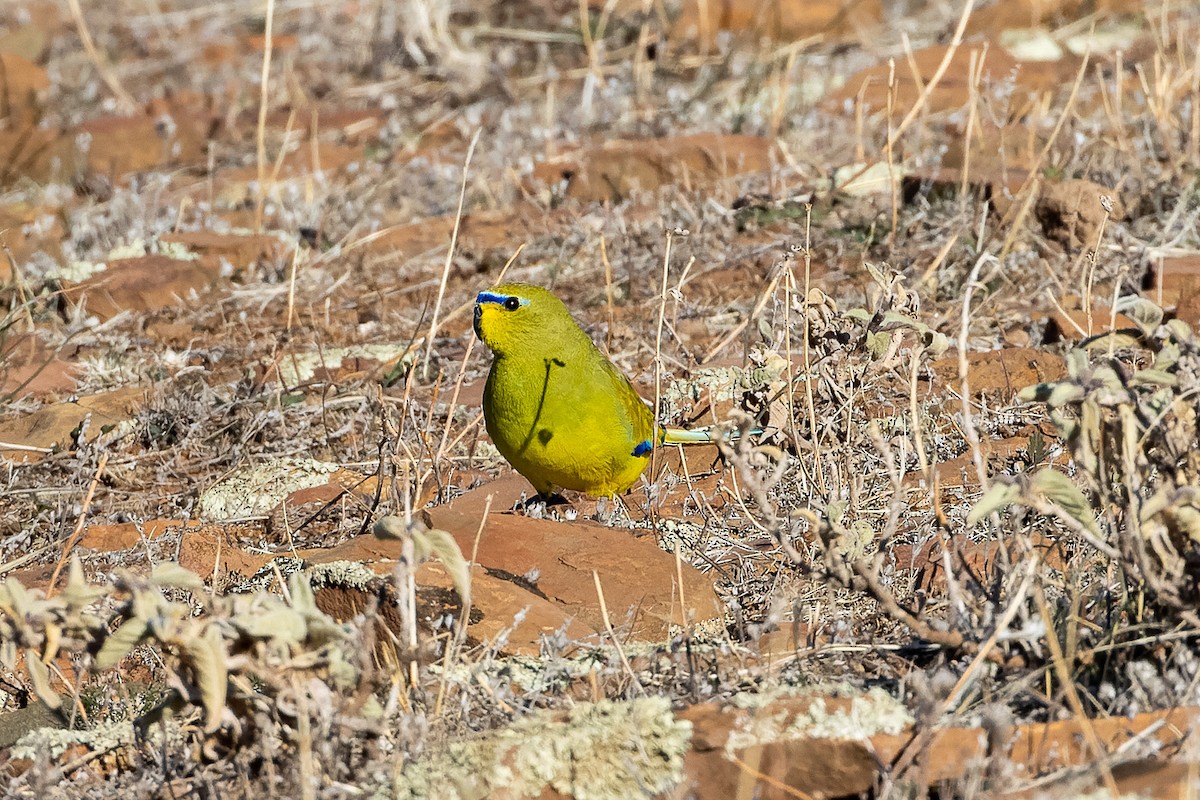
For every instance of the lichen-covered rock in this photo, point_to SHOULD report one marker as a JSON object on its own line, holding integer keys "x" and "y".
{"x": 595, "y": 751}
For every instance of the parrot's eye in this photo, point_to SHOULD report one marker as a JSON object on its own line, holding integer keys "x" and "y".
{"x": 512, "y": 303}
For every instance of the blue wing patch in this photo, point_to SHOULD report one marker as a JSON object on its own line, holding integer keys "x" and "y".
{"x": 643, "y": 448}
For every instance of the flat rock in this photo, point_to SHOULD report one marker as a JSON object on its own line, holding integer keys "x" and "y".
{"x": 639, "y": 580}
{"x": 778, "y": 20}
{"x": 32, "y": 436}
{"x": 612, "y": 170}
{"x": 503, "y": 612}
{"x": 1073, "y": 212}
{"x": 145, "y": 283}
{"x": 1001, "y": 372}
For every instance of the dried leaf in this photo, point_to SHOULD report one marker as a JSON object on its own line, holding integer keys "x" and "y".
{"x": 390, "y": 527}
{"x": 1186, "y": 519}
{"x": 937, "y": 343}
{"x": 300, "y": 590}
{"x": 835, "y": 511}
{"x": 878, "y": 343}
{"x": 1055, "y": 395}
{"x": 1180, "y": 330}
{"x": 53, "y": 638}
{"x": 1168, "y": 356}
{"x": 1077, "y": 363}
{"x": 15, "y": 600}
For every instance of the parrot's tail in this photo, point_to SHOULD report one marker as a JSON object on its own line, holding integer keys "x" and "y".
{"x": 701, "y": 435}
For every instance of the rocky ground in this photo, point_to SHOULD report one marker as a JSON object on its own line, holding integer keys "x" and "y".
{"x": 256, "y": 541}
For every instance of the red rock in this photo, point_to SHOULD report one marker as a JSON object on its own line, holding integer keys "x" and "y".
{"x": 985, "y": 560}
{"x": 54, "y": 425}
{"x": 23, "y": 87}
{"x": 1073, "y": 324}
{"x": 995, "y": 17}
{"x": 280, "y": 42}
{"x": 236, "y": 186}
{"x": 41, "y": 154}
{"x": 145, "y": 283}
{"x": 25, "y": 230}
{"x": 317, "y": 515}
{"x": 117, "y": 146}
{"x": 816, "y": 766}
{"x": 955, "y": 474}
{"x": 31, "y": 369}
{"x": 1037, "y": 749}
{"x": 213, "y": 551}
{"x": 241, "y": 251}
{"x": 496, "y": 602}
{"x": 1175, "y": 281}
{"x": 779, "y": 20}
{"x": 1000, "y": 372}
{"x": 31, "y": 38}
{"x": 108, "y": 538}
{"x": 952, "y": 92}
{"x": 612, "y": 170}
{"x": 559, "y": 558}
{"x": 997, "y": 159}
{"x": 1072, "y": 212}
{"x": 480, "y": 233}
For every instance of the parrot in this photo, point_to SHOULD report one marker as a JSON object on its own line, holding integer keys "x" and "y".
{"x": 555, "y": 406}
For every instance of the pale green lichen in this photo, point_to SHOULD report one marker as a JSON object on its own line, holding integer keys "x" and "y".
{"x": 52, "y": 742}
{"x": 302, "y": 367}
{"x": 348, "y": 574}
{"x": 529, "y": 674}
{"x": 871, "y": 713}
{"x": 596, "y": 751}
{"x": 177, "y": 251}
{"x": 253, "y": 490}
{"x": 704, "y": 632}
{"x": 678, "y": 533}
{"x": 134, "y": 249}
{"x": 77, "y": 271}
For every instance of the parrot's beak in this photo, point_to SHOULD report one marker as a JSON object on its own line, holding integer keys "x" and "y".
{"x": 478, "y": 317}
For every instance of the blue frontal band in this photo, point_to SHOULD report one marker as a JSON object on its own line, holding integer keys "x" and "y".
{"x": 498, "y": 299}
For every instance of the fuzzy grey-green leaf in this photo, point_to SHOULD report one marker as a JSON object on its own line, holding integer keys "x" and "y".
{"x": 120, "y": 642}
{"x": 997, "y": 498}
{"x": 169, "y": 573}
{"x": 443, "y": 545}
{"x": 1061, "y": 490}
{"x": 1146, "y": 314}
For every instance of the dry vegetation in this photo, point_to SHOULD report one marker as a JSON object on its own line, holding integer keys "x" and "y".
{"x": 947, "y": 258}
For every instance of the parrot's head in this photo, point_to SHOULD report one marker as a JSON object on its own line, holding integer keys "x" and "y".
{"x": 520, "y": 317}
